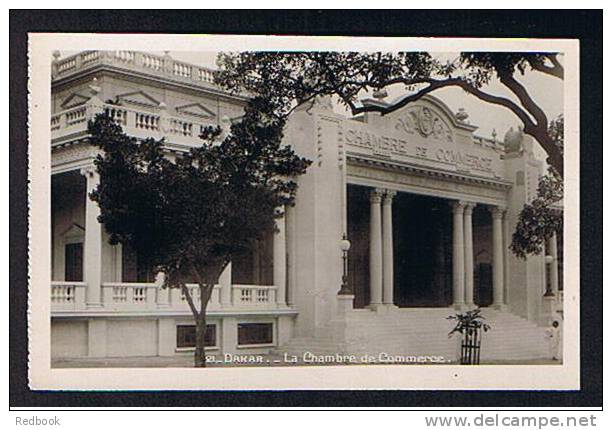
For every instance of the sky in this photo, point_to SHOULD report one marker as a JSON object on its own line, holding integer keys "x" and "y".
{"x": 547, "y": 91}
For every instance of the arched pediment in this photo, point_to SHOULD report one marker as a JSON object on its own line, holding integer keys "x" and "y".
{"x": 430, "y": 118}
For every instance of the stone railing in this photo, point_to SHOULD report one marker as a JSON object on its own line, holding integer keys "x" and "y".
{"x": 124, "y": 297}
{"x": 253, "y": 295}
{"x": 135, "y": 122}
{"x": 67, "y": 296}
{"x": 158, "y": 65}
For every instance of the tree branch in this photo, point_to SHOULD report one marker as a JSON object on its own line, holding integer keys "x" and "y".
{"x": 189, "y": 300}
{"x": 433, "y": 85}
{"x": 556, "y": 70}
{"x": 537, "y": 130}
{"x": 521, "y": 93}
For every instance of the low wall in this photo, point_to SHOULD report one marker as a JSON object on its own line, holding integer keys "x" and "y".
{"x": 100, "y": 337}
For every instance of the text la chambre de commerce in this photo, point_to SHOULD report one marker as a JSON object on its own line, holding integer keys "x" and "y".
{"x": 336, "y": 358}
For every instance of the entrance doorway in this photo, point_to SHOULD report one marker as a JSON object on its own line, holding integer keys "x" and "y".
{"x": 422, "y": 248}
{"x": 422, "y": 251}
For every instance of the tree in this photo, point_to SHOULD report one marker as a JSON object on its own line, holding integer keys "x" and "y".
{"x": 541, "y": 217}
{"x": 188, "y": 217}
{"x": 289, "y": 79}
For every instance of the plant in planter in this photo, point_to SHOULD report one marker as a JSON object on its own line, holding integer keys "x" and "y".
{"x": 469, "y": 325}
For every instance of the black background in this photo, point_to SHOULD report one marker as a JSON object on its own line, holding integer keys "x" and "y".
{"x": 577, "y": 24}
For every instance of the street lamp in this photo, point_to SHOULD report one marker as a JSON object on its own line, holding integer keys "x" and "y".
{"x": 345, "y": 245}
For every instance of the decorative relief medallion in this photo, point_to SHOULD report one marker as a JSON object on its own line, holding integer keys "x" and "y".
{"x": 426, "y": 122}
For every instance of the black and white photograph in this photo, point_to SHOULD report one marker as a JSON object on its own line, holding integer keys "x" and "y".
{"x": 397, "y": 209}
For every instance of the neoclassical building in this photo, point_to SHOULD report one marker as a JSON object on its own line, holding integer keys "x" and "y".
{"x": 428, "y": 208}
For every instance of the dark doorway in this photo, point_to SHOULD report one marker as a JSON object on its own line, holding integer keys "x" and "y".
{"x": 422, "y": 228}
{"x": 358, "y": 202}
{"x": 483, "y": 252}
{"x": 73, "y": 270}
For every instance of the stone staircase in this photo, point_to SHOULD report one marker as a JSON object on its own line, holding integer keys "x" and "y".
{"x": 424, "y": 332}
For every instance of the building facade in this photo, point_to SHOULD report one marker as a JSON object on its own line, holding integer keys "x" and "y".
{"x": 427, "y": 206}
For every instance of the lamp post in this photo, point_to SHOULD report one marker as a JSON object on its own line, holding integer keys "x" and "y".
{"x": 345, "y": 245}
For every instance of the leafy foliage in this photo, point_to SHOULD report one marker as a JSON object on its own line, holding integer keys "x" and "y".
{"x": 189, "y": 214}
{"x": 467, "y": 320}
{"x": 288, "y": 79}
{"x": 542, "y": 217}
{"x": 192, "y": 214}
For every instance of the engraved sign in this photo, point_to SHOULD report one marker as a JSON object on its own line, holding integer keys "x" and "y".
{"x": 388, "y": 146}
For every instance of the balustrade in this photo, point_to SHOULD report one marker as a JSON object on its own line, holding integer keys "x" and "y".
{"x": 138, "y": 296}
{"x": 152, "y": 62}
{"x": 136, "y": 122}
{"x": 182, "y": 69}
{"x": 149, "y": 62}
{"x": 88, "y": 57}
{"x": 147, "y": 121}
{"x": 255, "y": 295}
{"x": 67, "y": 295}
{"x": 76, "y": 116}
{"x": 125, "y": 56}
{"x": 117, "y": 114}
{"x": 66, "y": 65}
{"x": 180, "y": 127}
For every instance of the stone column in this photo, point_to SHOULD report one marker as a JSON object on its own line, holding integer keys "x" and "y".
{"x": 468, "y": 255}
{"x": 554, "y": 265}
{"x": 280, "y": 261}
{"x": 92, "y": 254}
{"x": 376, "y": 260}
{"x": 498, "y": 257}
{"x": 290, "y": 240}
{"x": 458, "y": 256}
{"x": 387, "y": 247}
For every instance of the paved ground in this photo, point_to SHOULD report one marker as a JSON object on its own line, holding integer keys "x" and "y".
{"x": 187, "y": 361}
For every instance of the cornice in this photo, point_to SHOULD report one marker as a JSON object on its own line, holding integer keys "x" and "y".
{"x": 428, "y": 172}
{"x": 166, "y": 81}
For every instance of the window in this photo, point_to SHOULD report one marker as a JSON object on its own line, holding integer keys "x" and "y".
{"x": 132, "y": 267}
{"x": 186, "y": 336}
{"x": 256, "y": 266}
{"x": 73, "y": 266}
{"x": 255, "y": 333}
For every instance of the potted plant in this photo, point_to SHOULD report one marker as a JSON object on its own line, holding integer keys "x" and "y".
{"x": 469, "y": 324}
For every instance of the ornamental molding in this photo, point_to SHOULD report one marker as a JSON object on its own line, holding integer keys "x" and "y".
{"x": 137, "y": 98}
{"x": 420, "y": 184}
{"x": 424, "y": 121}
{"x": 195, "y": 109}
{"x": 71, "y": 153}
{"x": 74, "y": 100}
{"x": 369, "y": 167}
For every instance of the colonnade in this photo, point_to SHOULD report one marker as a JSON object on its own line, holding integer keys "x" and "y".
{"x": 381, "y": 252}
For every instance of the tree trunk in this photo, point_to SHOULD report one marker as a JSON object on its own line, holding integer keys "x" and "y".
{"x": 200, "y": 353}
